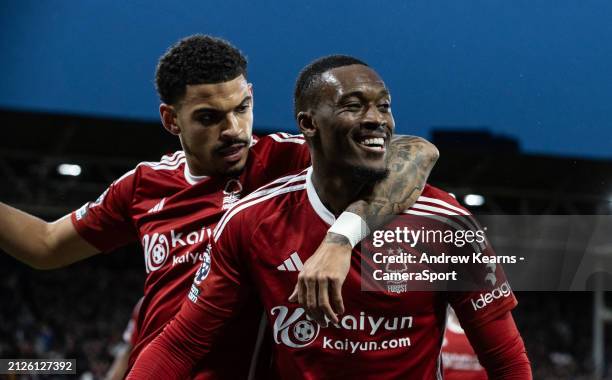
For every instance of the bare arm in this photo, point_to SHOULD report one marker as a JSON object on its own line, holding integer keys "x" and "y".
{"x": 118, "y": 369}
{"x": 319, "y": 288}
{"x": 40, "y": 244}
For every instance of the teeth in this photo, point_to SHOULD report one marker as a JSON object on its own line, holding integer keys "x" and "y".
{"x": 379, "y": 142}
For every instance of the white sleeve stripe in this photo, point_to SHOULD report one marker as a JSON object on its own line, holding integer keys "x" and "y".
{"x": 167, "y": 167}
{"x": 450, "y": 206}
{"x": 288, "y": 135}
{"x": 443, "y": 203}
{"x": 414, "y": 212}
{"x": 152, "y": 166}
{"x": 281, "y": 139}
{"x": 165, "y": 161}
{"x": 443, "y": 213}
{"x": 469, "y": 222}
{"x": 421, "y": 206}
{"x": 280, "y": 179}
{"x": 448, "y": 221}
{"x": 232, "y": 212}
{"x": 169, "y": 159}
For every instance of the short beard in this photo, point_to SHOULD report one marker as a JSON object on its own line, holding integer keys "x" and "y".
{"x": 366, "y": 175}
{"x": 234, "y": 172}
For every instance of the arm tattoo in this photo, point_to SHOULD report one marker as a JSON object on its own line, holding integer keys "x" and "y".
{"x": 410, "y": 160}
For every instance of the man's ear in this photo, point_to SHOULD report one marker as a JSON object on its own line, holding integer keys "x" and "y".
{"x": 306, "y": 124}
{"x": 168, "y": 118}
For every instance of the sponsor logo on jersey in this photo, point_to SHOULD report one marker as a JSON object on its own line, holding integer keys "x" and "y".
{"x": 298, "y": 330}
{"x": 194, "y": 292}
{"x": 503, "y": 291}
{"x": 82, "y": 212}
{"x": 158, "y": 247}
{"x": 292, "y": 264}
{"x": 396, "y": 286}
{"x": 295, "y": 330}
{"x": 204, "y": 269}
{"x": 490, "y": 276}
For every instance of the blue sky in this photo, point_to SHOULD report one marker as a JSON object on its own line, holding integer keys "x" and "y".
{"x": 536, "y": 70}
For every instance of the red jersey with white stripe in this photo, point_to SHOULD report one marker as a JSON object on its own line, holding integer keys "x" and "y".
{"x": 260, "y": 245}
{"x": 458, "y": 357}
{"x": 173, "y": 213}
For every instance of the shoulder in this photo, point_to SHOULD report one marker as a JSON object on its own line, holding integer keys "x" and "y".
{"x": 276, "y": 142}
{"x": 437, "y": 200}
{"x": 439, "y": 206}
{"x": 169, "y": 164}
{"x": 282, "y": 138}
{"x": 263, "y": 201}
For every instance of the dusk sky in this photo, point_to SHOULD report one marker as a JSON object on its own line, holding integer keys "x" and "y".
{"x": 540, "y": 71}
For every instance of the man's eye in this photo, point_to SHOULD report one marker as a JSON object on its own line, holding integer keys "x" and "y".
{"x": 353, "y": 106}
{"x": 207, "y": 119}
{"x": 243, "y": 108}
{"x": 384, "y": 107}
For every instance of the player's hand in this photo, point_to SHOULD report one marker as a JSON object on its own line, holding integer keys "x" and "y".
{"x": 319, "y": 286}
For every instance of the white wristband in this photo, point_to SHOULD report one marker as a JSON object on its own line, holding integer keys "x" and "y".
{"x": 350, "y": 226}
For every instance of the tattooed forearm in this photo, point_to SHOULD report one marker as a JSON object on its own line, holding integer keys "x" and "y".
{"x": 410, "y": 160}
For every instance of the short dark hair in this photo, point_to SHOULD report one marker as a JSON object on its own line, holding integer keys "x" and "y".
{"x": 197, "y": 59}
{"x": 306, "y": 86}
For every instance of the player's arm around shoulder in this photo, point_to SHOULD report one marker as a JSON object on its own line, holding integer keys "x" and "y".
{"x": 410, "y": 159}
{"x": 40, "y": 244}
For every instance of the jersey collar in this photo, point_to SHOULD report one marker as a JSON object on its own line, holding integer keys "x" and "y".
{"x": 190, "y": 178}
{"x": 326, "y": 215}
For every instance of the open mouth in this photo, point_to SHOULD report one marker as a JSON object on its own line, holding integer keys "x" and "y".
{"x": 372, "y": 144}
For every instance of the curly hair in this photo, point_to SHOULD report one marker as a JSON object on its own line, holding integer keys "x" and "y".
{"x": 197, "y": 59}
{"x": 306, "y": 87}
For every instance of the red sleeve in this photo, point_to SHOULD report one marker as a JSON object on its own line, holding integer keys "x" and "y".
{"x": 492, "y": 295}
{"x": 499, "y": 347}
{"x": 210, "y": 307}
{"x": 106, "y": 223}
{"x": 484, "y": 293}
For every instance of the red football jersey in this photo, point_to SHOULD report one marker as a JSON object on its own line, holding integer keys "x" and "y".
{"x": 260, "y": 246}
{"x": 173, "y": 213}
{"x": 458, "y": 357}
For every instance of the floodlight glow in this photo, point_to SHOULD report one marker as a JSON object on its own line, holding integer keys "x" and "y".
{"x": 69, "y": 169}
{"x": 474, "y": 200}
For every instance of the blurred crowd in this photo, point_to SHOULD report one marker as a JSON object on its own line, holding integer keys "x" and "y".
{"x": 80, "y": 312}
